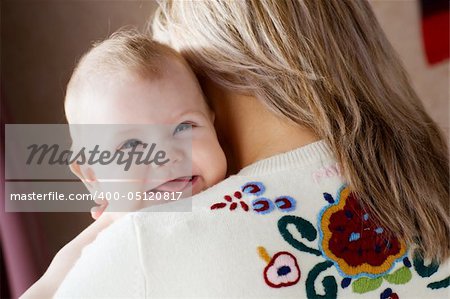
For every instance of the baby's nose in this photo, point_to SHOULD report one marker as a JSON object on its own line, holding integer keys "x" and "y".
{"x": 173, "y": 155}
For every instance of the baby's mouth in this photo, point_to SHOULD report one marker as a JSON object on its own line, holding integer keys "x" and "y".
{"x": 175, "y": 185}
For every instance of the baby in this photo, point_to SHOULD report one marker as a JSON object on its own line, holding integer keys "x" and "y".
{"x": 136, "y": 94}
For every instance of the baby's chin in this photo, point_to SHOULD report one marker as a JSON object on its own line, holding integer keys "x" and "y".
{"x": 180, "y": 187}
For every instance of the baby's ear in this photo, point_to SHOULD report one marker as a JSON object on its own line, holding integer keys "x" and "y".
{"x": 85, "y": 174}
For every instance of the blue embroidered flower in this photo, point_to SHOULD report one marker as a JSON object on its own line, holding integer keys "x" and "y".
{"x": 285, "y": 203}
{"x": 262, "y": 205}
{"x": 253, "y": 188}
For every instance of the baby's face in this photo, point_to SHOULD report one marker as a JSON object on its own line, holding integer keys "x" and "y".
{"x": 168, "y": 111}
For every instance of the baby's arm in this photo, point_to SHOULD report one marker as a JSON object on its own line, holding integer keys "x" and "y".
{"x": 64, "y": 260}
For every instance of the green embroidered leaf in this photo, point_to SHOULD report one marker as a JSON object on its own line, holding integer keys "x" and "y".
{"x": 305, "y": 228}
{"x": 421, "y": 268}
{"x": 400, "y": 276}
{"x": 365, "y": 284}
{"x": 444, "y": 283}
{"x": 328, "y": 282}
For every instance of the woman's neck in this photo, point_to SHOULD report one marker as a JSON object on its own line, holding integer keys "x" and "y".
{"x": 251, "y": 132}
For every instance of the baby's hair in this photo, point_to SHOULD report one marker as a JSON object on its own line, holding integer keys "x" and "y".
{"x": 125, "y": 50}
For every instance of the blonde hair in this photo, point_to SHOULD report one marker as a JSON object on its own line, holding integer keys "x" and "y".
{"x": 124, "y": 50}
{"x": 328, "y": 66}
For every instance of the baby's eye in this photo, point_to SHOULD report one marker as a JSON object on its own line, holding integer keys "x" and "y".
{"x": 182, "y": 127}
{"x": 130, "y": 143}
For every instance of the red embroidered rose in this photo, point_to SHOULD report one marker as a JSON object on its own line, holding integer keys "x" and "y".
{"x": 349, "y": 238}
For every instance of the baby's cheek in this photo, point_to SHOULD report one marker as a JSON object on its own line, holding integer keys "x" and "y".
{"x": 209, "y": 159}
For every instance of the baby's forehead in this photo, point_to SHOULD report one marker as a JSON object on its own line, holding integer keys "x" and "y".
{"x": 128, "y": 95}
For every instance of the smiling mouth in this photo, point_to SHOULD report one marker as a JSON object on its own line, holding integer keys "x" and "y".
{"x": 176, "y": 185}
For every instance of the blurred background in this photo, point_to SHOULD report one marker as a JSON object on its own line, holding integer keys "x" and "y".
{"x": 42, "y": 40}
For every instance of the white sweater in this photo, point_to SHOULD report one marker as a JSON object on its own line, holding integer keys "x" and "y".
{"x": 283, "y": 227}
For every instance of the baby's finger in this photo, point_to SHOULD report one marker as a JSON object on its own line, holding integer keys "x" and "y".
{"x": 100, "y": 201}
{"x": 97, "y": 211}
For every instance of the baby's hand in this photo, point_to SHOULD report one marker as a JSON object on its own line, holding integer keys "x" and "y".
{"x": 98, "y": 210}
{"x": 113, "y": 210}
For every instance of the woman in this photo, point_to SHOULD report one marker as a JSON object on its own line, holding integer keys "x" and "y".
{"x": 297, "y": 86}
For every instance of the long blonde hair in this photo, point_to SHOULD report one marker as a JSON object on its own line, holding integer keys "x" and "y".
{"x": 328, "y": 66}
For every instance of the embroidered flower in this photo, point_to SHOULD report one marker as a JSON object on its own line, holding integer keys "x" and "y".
{"x": 285, "y": 203}
{"x": 233, "y": 201}
{"x": 388, "y": 294}
{"x": 353, "y": 242}
{"x": 254, "y": 188}
{"x": 262, "y": 205}
{"x": 251, "y": 188}
{"x": 282, "y": 270}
